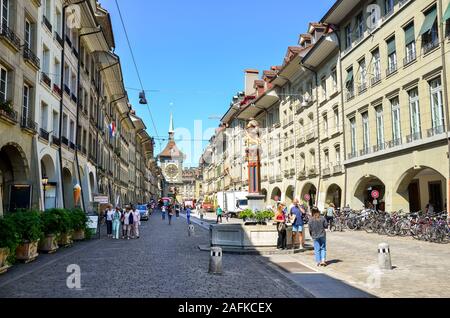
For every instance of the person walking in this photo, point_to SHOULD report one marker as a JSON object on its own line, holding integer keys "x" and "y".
{"x": 219, "y": 213}
{"x": 163, "y": 212}
{"x": 280, "y": 219}
{"x": 128, "y": 222}
{"x": 136, "y": 222}
{"x": 108, "y": 215}
{"x": 317, "y": 229}
{"x": 171, "y": 212}
{"x": 188, "y": 215}
{"x": 296, "y": 217}
{"x": 116, "y": 223}
{"x": 330, "y": 214}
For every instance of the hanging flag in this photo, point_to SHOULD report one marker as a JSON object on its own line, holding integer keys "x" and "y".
{"x": 112, "y": 129}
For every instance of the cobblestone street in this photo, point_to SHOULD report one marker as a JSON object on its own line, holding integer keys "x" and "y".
{"x": 164, "y": 262}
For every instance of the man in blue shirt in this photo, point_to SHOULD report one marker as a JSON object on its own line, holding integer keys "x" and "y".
{"x": 297, "y": 224}
{"x": 188, "y": 215}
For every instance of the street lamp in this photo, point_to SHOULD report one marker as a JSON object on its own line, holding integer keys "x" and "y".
{"x": 44, "y": 183}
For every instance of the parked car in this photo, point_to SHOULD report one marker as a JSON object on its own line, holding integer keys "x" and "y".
{"x": 143, "y": 211}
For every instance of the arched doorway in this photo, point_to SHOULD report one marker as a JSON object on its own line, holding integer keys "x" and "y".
{"x": 276, "y": 194}
{"x": 50, "y": 189}
{"x": 309, "y": 190}
{"x": 289, "y": 195}
{"x": 334, "y": 195}
{"x": 419, "y": 186}
{"x": 68, "y": 189}
{"x": 363, "y": 193}
{"x": 15, "y": 190}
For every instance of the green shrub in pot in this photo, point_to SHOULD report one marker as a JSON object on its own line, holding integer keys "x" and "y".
{"x": 9, "y": 239}
{"x": 28, "y": 225}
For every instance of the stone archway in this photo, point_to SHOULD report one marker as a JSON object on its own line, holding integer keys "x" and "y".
{"x": 264, "y": 193}
{"x": 310, "y": 190}
{"x": 419, "y": 186}
{"x": 289, "y": 195}
{"x": 48, "y": 170}
{"x": 334, "y": 195}
{"x": 362, "y": 193}
{"x": 14, "y": 170}
{"x": 68, "y": 189}
{"x": 276, "y": 194}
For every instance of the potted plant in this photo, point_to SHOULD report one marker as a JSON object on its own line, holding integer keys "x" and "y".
{"x": 246, "y": 215}
{"x": 65, "y": 227}
{"x": 28, "y": 226}
{"x": 50, "y": 228}
{"x": 79, "y": 221}
{"x": 262, "y": 217}
{"x": 8, "y": 243}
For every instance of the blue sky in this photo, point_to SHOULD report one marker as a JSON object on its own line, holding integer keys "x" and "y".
{"x": 193, "y": 53}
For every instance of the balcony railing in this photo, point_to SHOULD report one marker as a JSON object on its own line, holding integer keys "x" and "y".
{"x": 391, "y": 69}
{"x": 430, "y": 46}
{"x": 59, "y": 39}
{"x": 44, "y": 134}
{"x": 9, "y": 114}
{"x": 278, "y": 178}
{"x": 57, "y": 90}
{"x": 7, "y": 33}
{"x": 410, "y": 57}
{"x": 286, "y": 173}
{"x": 326, "y": 172}
{"x": 414, "y": 137}
{"x": 65, "y": 141}
{"x": 394, "y": 143}
{"x": 28, "y": 123}
{"x": 436, "y": 131}
{"x": 375, "y": 79}
{"x": 46, "y": 80}
{"x": 364, "y": 151}
{"x": 352, "y": 155}
{"x": 56, "y": 141}
{"x": 337, "y": 169}
{"x": 29, "y": 56}
{"x": 379, "y": 147}
{"x": 47, "y": 23}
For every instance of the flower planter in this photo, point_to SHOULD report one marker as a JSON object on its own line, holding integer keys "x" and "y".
{"x": 65, "y": 240}
{"x": 48, "y": 244}
{"x": 4, "y": 253}
{"x": 78, "y": 235}
{"x": 27, "y": 252}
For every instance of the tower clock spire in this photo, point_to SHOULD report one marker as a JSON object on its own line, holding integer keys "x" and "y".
{"x": 171, "y": 130}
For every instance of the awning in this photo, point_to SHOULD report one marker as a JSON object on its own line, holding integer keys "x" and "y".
{"x": 430, "y": 19}
{"x": 409, "y": 34}
{"x": 391, "y": 46}
{"x": 447, "y": 13}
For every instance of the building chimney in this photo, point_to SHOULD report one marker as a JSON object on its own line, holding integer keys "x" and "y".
{"x": 250, "y": 77}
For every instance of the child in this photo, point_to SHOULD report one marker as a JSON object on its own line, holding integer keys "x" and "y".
{"x": 317, "y": 226}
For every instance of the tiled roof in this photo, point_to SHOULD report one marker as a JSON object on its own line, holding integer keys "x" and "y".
{"x": 171, "y": 151}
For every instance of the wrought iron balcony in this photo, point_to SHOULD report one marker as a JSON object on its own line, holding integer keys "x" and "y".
{"x": 7, "y": 33}
{"x": 337, "y": 169}
{"x": 57, "y": 89}
{"x": 312, "y": 171}
{"x": 430, "y": 46}
{"x": 59, "y": 39}
{"x": 47, "y": 23}
{"x": 436, "y": 131}
{"x": 29, "y": 124}
{"x": 46, "y": 80}
{"x": 44, "y": 134}
{"x": 56, "y": 141}
{"x": 286, "y": 173}
{"x": 30, "y": 57}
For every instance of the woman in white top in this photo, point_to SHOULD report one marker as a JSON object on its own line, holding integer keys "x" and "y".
{"x": 109, "y": 220}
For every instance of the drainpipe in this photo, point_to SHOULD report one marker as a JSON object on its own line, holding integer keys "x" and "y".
{"x": 78, "y": 116}
{"x": 318, "y": 130}
{"x": 446, "y": 98}
{"x": 61, "y": 105}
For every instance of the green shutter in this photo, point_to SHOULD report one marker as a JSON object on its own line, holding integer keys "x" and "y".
{"x": 391, "y": 46}
{"x": 429, "y": 21}
{"x": 409, "y": 34}
{"x": 349, "y": 77}
{"x": 447, "y": 13}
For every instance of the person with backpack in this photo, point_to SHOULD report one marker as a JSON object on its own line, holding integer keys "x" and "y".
{"x": 317, "y": 229}
{"x": 330, "y": 214}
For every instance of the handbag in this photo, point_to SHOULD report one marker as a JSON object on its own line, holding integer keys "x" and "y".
{"x": 281, "y": 226}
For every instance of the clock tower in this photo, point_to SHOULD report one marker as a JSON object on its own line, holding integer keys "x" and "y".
{"x": 171, "y": 161}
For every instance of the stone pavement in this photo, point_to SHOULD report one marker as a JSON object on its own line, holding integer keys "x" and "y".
{"x": 164, "y": 262}
{"x": 421, "y": 269}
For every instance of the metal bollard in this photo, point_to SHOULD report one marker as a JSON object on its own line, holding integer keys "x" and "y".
{"x": 384, "y": 256}
{"x": 215, "y": 260}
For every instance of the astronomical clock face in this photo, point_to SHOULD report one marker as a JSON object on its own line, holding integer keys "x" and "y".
{"x": 172, "y": 170}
